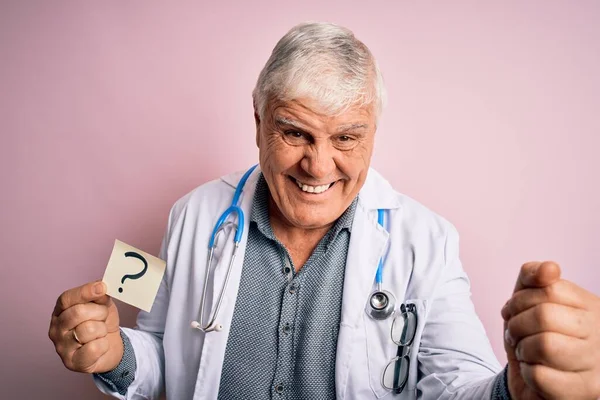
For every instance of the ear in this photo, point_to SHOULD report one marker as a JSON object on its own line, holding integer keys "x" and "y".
{"x": 257, "y": 122}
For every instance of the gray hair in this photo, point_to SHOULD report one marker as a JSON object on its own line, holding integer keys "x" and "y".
{"x": 324, "y": 62}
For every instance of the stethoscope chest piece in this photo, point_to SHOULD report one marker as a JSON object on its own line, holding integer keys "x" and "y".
{"x": 381, "y": 304}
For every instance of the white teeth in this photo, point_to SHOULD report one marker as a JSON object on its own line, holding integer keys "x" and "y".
{"x": 313, "y": 189}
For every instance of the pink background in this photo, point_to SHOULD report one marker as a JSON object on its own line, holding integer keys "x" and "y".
{"x": 111, "y": 110}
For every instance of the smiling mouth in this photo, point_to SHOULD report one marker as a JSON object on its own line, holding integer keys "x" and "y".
{"x": 312, "y": 189}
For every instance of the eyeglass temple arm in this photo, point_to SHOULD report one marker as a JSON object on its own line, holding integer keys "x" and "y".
{"x": 397, "y": 371}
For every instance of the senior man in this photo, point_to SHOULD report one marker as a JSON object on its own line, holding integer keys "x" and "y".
{"x": 326, "y": 247}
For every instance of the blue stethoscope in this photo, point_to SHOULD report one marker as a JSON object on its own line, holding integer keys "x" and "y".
{"x": 381, "y": 302}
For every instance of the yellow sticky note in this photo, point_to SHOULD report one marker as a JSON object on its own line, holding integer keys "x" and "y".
{"x": 133, "y": 276}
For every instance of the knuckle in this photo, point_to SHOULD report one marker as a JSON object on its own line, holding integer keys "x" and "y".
{"x": 514, "y": 304}
{"x": 88, "y": 328}
{"x": 521, "y": 302}
{"x": 536, "y": 375}
{"x": 52, "y": 333}
{"x": 70, "y": 364}
{"x": 97, "y": 348}
{"x": 545, "y": 344}
{"x": 542, "y": 314}
{"x": 76, "y": 312}
{"x": 60, "y": 349}
{"x": 94, "y": 348}
{"x": 63, "y": 300}
{"x": 80, "y": 312}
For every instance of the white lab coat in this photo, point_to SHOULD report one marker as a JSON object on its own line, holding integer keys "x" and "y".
{"x": 451, "y": 356}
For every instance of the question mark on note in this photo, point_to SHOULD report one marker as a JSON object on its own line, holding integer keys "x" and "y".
{"x": 138, "y": 275}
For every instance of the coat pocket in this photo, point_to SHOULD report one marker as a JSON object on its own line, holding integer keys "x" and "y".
{"x": 381, "y": 350}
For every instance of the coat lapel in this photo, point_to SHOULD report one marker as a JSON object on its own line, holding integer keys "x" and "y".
{"x": 213, "y": 349}
{"x": 368, "y": 243}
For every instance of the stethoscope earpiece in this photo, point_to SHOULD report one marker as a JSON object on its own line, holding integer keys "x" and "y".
{"x": 216, "y": 328}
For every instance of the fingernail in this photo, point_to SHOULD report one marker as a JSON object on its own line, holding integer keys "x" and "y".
{"x": 508, "y": 338}
{"x": 518, "y": 353}
{"x": 98, "y": 288}
{"x": 523, "y": 367}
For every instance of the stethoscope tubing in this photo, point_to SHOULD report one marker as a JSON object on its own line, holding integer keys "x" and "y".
{"x": 212, "y": 244}
{"x": 379, "y": 274}
{"x": 239, "y": 230}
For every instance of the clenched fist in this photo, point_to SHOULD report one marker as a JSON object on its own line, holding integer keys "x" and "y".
{"x": 85, "y": 329}
{"x": 552, "y": 337}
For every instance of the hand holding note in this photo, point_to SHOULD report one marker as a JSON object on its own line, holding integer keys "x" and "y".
{"x": 85, "y": 329}
{"x": 84, "y": 326}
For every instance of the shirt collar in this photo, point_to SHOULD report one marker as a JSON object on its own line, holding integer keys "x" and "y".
{"x": 260, "y": 212}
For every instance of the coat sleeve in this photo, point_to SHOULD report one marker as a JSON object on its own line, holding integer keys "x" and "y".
{"x": 456, "y": 360}
{"x": 147, "y": 341}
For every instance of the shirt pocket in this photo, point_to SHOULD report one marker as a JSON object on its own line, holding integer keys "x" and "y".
{"x": 381, "y": 350}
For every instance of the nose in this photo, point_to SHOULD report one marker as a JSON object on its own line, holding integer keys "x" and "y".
{"x": 318, "y": 160}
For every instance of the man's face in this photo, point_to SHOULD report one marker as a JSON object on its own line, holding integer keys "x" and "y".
{"x": 315, "y": 164}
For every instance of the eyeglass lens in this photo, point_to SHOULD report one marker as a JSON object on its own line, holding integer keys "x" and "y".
{"x": 403, "y": 328}
{"x": 396, "y": 373}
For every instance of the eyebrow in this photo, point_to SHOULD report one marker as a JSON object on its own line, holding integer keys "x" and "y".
{"x": 290, "y": 122}
{"x": 351, "y": 127}
{"x": 297, "y": 125}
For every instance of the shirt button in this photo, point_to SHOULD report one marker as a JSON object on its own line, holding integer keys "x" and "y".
{"x": 287, "y": 270}
{"x": 293, "y": 288}
{"x": 287, "y": 328}
{"x": 279, "y": 388}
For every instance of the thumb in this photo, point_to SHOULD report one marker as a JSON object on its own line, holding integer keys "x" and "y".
{"x": 537, "y": 274}
{"x": 80, "y": 295}
{"x": 103, "y": 298}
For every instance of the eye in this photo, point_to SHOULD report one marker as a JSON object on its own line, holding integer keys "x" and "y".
{"x": 345, "y": 142}
{"x": 294, "y": 134}
{"x": 295, "y": 137}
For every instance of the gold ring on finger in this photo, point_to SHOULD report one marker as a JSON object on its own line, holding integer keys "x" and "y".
{"x": 75, "y": 337}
